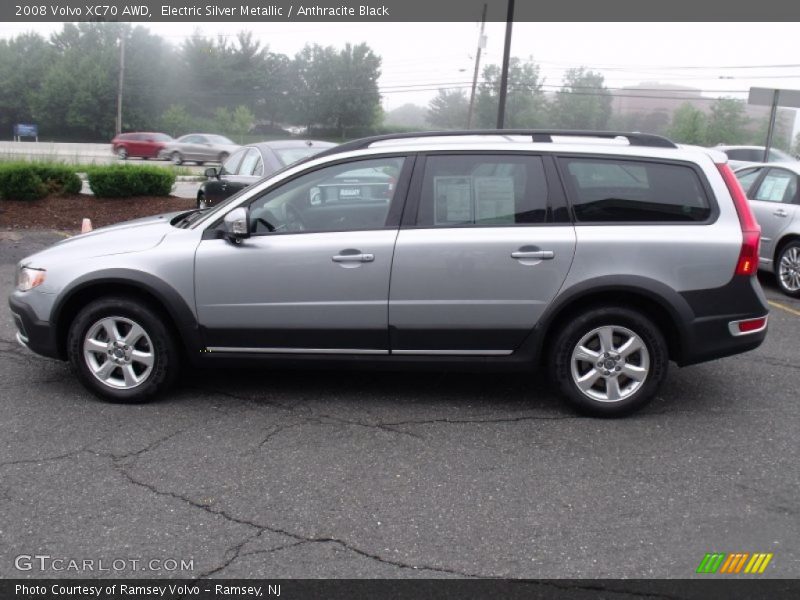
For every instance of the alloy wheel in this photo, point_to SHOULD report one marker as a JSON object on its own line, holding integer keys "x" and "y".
{"x": 610, "y": 363}
{"x": 789, "y": 269}
{"x": 118, "y": 352}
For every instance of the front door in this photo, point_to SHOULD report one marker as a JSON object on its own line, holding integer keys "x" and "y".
{"x": 311, "y": 278}
{"x": 483, "y": 256}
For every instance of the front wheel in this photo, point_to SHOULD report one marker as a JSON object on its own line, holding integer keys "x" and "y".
{"x": 609, "y": 361}
{"x": 787, "y": 269}
{"x": 121, "y": 350}
{"x": 122, "y": 153}
{"x": 176, "y": 158}
{"x": 223, "y": 157}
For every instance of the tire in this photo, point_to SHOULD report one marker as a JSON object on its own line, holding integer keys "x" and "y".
{"x": 787, "y": 269}
{"x": 176, "y": 158}
{"x": 622, "y": 383}
{"x": 122, "y": 153}
{"x": 143, "y": 368}
{"x": 201, "y": 163}
{"x": 201, "y": 201}
{"x": 223, "y": 157}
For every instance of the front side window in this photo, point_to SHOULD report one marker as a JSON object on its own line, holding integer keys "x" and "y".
{"x": 617, "y": 190}
{"x": 249, "y": 163}
{"x": 777, "y": 186}
{"x": 346, "y": 197}
{"x": 231, "y": 165}
{"x": 482, "y": 191}
{"x": 747, "y": 178}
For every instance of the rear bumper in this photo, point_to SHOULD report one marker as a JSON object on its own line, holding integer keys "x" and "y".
{"x": 38, "y": 336}
{"x": 709, "y": 335}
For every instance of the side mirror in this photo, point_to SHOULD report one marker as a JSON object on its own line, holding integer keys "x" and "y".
{"x": 212, "y": 172}
{"x": 237, "y": 224}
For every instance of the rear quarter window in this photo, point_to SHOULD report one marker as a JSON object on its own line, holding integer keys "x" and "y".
{"x": 618, "y": 190}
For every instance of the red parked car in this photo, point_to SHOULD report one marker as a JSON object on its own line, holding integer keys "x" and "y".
{"x": 144, "y": 144}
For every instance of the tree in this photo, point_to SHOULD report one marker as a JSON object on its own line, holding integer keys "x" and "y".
{"x": 407, "y": 115}
{"x": 583, "y": 102}
{"x": 24, "y": 61}
{"x": 525, "y": 103}
{"x": 727, "y": 123}
{"x": 688, "y": 125}
{"x": 336, "y": 89}
{"x": 235, "y": 123}
{"x": 449, "y": 109}
{"x": 177, "y": 121}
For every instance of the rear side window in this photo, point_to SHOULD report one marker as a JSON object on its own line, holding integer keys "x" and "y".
{"x": 616, "y": 190}
{"x": 777, "y": 186}
{"x": 482, "y": 191}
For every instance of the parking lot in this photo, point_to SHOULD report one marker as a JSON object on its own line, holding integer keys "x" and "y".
{"x": 372, "y": 474}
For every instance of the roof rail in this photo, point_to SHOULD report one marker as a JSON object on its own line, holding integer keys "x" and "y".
{"x": 536, "y": 135}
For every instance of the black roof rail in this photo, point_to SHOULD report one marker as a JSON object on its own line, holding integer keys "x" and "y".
{"x": 537, "y": 135}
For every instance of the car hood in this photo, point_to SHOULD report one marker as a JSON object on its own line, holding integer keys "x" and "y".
{"x": 131, "y": 236}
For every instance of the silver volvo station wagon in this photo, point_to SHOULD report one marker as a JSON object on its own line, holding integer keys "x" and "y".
{"x": 600, "y": 256}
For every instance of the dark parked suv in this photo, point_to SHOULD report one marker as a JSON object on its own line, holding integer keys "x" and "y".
{"x": 601, "y": 260}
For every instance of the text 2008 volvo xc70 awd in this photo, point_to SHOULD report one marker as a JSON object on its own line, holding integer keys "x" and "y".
{"x": 602, "y": 256}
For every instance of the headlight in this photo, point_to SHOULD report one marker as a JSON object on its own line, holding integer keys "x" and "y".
{"x": 29, "y": 278}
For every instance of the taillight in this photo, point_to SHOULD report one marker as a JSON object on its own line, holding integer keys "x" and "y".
{"x": 751, "y": 230}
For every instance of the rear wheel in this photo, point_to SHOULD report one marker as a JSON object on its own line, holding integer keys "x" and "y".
{"x": 121, "y": 350}
{"x": 787, "y": 269}
{"x": 122, "y": 153}
{"x": 609, "y": 361}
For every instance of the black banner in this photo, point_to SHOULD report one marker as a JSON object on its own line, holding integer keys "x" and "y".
{"x": 407, "y": 589}
{"x": 392, "y": 10}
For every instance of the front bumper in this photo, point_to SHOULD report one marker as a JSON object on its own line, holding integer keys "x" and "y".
{"x": 38, "y": 336}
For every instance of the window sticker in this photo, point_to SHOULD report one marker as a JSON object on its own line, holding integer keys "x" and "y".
{"x": 494, "y": 199}
{"x": 453, "y": 197}
{"x": 773, "y": 188}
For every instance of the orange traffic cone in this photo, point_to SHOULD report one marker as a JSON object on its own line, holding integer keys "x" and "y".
{"x": 86, "y": 225}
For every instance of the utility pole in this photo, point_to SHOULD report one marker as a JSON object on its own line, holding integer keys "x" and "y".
{"x": 501, "y": 108}
{"x": 121, "y": 79}
{"x": 776, "y": 94}
{"x": 481, "y": 44}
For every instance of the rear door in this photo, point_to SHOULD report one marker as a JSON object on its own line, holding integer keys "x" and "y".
{"x": 772, "y": 199}
{"x": 486, "y": 245}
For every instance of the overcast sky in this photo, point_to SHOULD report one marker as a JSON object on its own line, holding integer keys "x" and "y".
{"x": 419, "y": 57}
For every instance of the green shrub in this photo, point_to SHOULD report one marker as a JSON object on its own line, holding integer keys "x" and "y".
{"x": 121, "y": 181}
{"x": 32, "y": 181}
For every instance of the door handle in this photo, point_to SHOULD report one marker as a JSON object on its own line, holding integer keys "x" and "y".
{"x": 541, "y": 254}
{"x": 340, "y": 258}
{"x": 780, "y": 213}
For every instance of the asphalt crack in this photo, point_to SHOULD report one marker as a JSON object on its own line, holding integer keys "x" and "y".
{"x": 235, "y": 550}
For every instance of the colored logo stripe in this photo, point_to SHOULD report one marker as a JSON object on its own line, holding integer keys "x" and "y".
{"x": 720, "y": 562}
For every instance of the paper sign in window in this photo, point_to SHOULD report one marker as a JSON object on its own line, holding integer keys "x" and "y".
{"x": 453, "y": 200}
{"x": 773, "y": 189}
{"x": 494, "y": 199}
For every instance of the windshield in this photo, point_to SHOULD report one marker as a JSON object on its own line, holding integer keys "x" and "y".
{"x": 288, "y": 156}
{"x": 779, "y": 156}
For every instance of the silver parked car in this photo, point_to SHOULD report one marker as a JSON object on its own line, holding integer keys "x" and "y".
{"x": 773, "y": 193}
{"x": 740, "y": 156}
{"x": 199, "y": 148}
{"x": 601, "y": 262}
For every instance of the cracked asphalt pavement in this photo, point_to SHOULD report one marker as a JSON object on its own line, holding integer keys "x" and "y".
{"x": 373, "y": 474}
